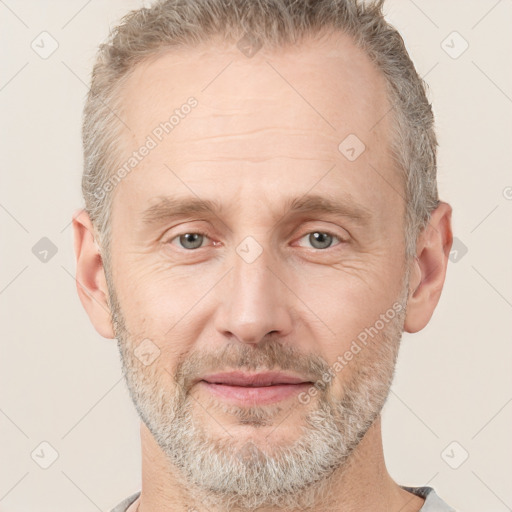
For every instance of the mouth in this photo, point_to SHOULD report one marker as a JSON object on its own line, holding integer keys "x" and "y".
{"x": 254, "y": 389}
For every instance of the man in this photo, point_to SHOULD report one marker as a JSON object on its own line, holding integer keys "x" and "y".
{"x": 261, "y": 225}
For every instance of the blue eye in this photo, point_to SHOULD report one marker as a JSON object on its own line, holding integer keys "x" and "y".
{"x": 317, "y": 239}
{"x": 320, "y": 239}
{"x": 191, "y": 240}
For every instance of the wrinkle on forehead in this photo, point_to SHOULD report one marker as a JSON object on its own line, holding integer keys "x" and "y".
{"x": 329, "y": 78}
{"x": 278, "y": 116}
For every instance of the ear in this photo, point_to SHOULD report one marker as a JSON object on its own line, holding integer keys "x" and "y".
{"x": 90, "y": 275}
{"x": 429, "y": 268}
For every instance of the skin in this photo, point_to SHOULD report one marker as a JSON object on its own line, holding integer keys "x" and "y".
{"x": 251, "y": 143}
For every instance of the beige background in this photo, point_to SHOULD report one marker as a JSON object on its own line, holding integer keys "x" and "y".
{"x": 60, "y": 382}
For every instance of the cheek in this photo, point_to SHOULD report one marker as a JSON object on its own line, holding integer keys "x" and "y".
{"x": 343, "y": 303}
{"x": 160, "y": 301}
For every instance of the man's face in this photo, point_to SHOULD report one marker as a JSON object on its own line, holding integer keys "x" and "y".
{"x": 256, "y": 286}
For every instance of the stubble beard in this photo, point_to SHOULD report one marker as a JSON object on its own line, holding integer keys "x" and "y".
{"x": 234, "y": 473}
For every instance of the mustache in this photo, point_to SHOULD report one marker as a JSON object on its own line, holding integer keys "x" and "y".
{"x": 268, "y": 356}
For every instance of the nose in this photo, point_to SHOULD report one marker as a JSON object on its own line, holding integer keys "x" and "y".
{"x": 254, "y": 302}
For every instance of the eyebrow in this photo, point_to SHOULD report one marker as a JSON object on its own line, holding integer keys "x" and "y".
{"x": 168, "y": 208}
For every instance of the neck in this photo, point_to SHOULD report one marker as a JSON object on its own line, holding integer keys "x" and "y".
{"x": 364, "y": 484}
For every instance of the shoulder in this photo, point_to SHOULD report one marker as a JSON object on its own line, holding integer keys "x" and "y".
{"x": 433, "y": 503}
{"x": 123, "y": 506}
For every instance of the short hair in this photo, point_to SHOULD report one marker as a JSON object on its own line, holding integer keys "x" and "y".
{"x": 170, "y": 24}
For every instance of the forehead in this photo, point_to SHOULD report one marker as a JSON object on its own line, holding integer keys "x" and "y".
{"x": 327, "y": 80}
{"x": 277, "y": 117}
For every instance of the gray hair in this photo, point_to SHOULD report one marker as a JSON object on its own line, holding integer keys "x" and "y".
{"x": 147, "y": 32}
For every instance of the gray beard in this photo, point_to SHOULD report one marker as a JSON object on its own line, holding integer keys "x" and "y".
{"x": 228, "y": 473}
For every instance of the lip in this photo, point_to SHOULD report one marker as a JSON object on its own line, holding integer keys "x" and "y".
{"x": 254, "y": 389}
{"x": 239, "y": 378}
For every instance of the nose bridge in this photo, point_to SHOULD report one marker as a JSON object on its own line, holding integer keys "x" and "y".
{"x": 254, "y": 303}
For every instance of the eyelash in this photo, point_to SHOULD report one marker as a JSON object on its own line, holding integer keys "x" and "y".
{"x": 201, "y": 233}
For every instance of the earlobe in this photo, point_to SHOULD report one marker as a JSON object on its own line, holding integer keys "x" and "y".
{"x": 90, "y": 275}
{"x": 429, "y": 269}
